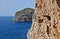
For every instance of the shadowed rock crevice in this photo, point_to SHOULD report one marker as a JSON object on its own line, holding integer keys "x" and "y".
{"x": 48, "y": 17}
{"x": 48, "y": 30}
{"x": 58, "y": 2}
{"x": 40, "y": 20}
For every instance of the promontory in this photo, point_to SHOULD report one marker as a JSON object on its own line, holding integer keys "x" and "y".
{"x": 24, "y": 15}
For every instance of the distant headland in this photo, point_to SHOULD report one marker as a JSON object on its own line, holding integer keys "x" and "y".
{"x": 24, "y": 15}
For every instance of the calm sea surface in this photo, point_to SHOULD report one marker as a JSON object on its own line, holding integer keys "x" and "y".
{"x": 13, "y": 30}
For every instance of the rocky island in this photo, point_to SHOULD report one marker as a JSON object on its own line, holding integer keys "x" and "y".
{"x": 24, "y": 15}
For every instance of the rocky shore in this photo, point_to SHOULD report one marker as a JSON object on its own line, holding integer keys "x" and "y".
{"x": 24, "y": 15}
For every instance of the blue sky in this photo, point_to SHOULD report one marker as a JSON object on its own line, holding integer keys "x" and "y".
{"x": 9, "y": 7}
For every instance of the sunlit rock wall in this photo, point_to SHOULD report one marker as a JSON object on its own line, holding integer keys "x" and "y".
{"x": 46, "y": 20}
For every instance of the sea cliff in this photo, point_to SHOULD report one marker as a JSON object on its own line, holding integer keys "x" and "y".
{"x": 46, "y": 20}
{"x": 24, "y": 15}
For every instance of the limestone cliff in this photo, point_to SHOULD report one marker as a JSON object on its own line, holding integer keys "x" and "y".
{"x": 24, "y": 15}
{"x": 46, "y": 20}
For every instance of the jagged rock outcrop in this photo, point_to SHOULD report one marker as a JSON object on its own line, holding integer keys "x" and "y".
{"x": 46, "y": 20}
{"x": 24, "y": 15}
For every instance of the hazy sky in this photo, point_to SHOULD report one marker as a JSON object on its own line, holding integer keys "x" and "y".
{"x": 9, "y": 7}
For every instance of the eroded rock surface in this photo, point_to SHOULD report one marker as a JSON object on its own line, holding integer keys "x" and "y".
{"x": 46, "y": 20}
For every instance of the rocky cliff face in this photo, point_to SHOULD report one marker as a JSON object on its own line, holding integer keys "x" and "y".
{"x": 24, "y": 15}
{"x": 46, "y": 20}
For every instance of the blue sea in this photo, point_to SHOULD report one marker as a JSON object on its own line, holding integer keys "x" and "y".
{"x": 13, "y": 30}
